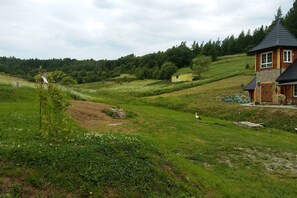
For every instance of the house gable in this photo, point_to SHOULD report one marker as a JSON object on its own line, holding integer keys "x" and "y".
{"x": 276, "y": 67}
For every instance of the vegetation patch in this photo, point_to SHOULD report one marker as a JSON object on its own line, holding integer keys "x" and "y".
{"x": 208, "y": 100}
{"x": 241, "y": 99}
{"x": 81, "y": 162}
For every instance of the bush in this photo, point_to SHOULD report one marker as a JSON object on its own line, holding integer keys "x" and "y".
{"x": 167, "y": 69}
{"x": 68, "y": 81}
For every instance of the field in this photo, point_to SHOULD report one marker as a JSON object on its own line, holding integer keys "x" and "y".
{"x": 223, "y": 68}
{"x": 161, "y": 150}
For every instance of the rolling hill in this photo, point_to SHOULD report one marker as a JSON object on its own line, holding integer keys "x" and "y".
{"x": 160, "y": 151}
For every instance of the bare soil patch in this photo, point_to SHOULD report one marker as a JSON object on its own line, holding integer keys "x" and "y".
{"x": 90, "y": 116}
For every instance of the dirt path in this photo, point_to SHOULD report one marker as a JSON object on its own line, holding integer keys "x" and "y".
{"x": 90, "y": 116}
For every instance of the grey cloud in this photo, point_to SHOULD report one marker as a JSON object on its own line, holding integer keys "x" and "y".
{"x": 112, "y": 28}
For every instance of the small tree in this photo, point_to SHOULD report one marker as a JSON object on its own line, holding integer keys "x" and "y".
{"x": 57, "y": 76}
{"x": 167, "y": 69}
{"x": 52, "y": 107}
{"x": 68, "y": 81}
{"x": 199, "y": 65}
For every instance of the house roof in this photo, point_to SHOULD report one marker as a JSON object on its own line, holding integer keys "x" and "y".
{"x": 289, "y": 75}
{"x": 279, "y": 36}
{"x": 251, "y": 85}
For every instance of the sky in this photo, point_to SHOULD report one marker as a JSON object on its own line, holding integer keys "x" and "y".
{"x": 109, "y": 29}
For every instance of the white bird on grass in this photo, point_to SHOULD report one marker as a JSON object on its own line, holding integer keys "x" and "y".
{"x": 197, "y": 116}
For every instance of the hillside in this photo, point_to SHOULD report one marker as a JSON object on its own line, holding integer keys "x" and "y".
{"x": 161, "y": 150}
{"x": 225, "y": 67}
{"x": 82, "y": 163}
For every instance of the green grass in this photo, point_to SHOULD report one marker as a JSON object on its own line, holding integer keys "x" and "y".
{"x": 186, "y": 70}
{"x": 9, "y": 80}
{"x": 169, "y": 153}
{"x": 82, "y": 162}
{"x": 224, "y": 68}
{"x": 207, "y": 100}
{"x": 224, "y": 160}
{"x": 172, "y": 154}
{"x": 230, "y": 66}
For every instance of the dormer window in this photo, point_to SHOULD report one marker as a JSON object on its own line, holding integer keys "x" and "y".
{"x": 266, "y": 60}
{"x": 287, "y": 56}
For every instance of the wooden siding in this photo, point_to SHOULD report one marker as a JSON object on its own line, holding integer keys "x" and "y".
{"x": 266, "y": 93}
{"x": 277, "y": 59}
{"x": 252, "y": 95}
{"x": 294, "y": 57}
{"x": 287, "y": 90}
{"x": 274, "y": 60}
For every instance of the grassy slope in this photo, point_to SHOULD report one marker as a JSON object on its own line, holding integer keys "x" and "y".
{"x": 182, "y": 156}
{"x": 172, "y": 155}
{"x": 221, "y": 158}
{"x": 5, "y": 79}
{"x": 232, "y": 65}
{"x": 105, "y": 164}
{"x": 223, "y": 68}
{"x": 207, "y": 100}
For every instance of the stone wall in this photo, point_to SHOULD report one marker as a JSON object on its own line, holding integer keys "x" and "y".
{"x": 269, "y": 75}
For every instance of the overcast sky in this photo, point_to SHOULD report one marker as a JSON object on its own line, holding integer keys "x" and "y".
{"x": 109, "y": 29}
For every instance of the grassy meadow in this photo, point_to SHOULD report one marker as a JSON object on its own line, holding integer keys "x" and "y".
{"x": 163, "y": 151}
{"x": 225, "y": 67}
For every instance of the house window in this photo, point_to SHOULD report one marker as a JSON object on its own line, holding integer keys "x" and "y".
{"x": 266, "y": 60}
{"x": 287, "y": 56}
{"x": 295, "y": 90}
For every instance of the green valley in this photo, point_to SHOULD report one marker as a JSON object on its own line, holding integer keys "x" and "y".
{"x": 162, "y": 150}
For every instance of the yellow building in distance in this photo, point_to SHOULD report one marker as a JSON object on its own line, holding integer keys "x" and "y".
{"x": 182, "y": 75}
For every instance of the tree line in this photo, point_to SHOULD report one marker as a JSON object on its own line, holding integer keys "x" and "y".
{"x": 159, "y": 65}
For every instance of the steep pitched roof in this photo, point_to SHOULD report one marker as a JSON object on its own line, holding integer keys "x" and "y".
{"x": 251, "y": 85}
{"x": 277, "y": 37}
{"x": 289, "y": 75}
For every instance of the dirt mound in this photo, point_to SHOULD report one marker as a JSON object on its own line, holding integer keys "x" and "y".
{"x": 90, "y": 116}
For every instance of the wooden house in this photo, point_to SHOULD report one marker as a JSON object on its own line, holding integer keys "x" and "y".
{"x": 276, "y": 68}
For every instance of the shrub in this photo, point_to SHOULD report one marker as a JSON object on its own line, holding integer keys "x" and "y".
{"x": 52, "y": 107}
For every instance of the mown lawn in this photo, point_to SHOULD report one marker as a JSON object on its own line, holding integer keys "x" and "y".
{"x": 224, "y": 160}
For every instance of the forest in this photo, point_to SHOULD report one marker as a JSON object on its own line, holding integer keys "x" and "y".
{"x": 158, "y": 65}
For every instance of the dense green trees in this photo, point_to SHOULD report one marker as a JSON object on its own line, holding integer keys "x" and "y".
{"x": 290, "y": 21}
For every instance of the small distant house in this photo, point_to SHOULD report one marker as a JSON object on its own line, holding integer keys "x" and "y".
{"x": 276, "y": 68}
{"x": 182, "y": 75}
